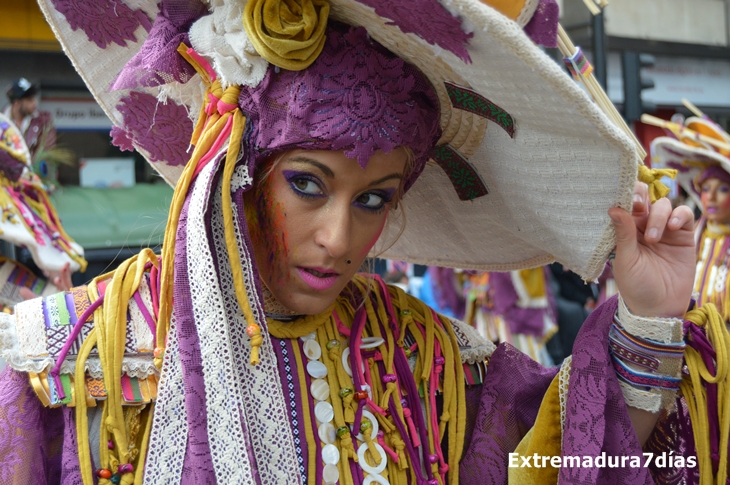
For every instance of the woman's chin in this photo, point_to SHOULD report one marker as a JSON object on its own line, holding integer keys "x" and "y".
{"x": 308, "y": 304}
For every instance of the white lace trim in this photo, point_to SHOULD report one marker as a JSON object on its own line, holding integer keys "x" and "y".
{"x": 30, "y": 326}
{"x": 473, "y": 347}
{"x": 241, "y": 179}
{"x": 664, "y": 330}
{"x": 638, "y": 398}
{"x": 142, "y": 333}
{"x": 563, "y": 385}
{"x": 271, "y": 435}
{"x": 169, "y": 434}
{"x": 223, "y": 402}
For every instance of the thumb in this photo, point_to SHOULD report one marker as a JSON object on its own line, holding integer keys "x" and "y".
{"x": 623, "y": 224}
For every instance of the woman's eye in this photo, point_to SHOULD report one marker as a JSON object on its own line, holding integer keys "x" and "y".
{"x": 724, "y": 189}
{"x": 371, "y": 201}
{"x": 306, "y": 186}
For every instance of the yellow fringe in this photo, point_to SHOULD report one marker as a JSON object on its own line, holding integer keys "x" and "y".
{"x": 696, "y": 397}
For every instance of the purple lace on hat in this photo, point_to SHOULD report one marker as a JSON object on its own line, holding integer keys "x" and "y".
{"x": 357, "y": 97}
{"x": 713, "y": 171}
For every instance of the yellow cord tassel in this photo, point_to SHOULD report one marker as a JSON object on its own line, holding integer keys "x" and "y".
{"x": 696, "y": 396}
{"x": 652, "y": 177}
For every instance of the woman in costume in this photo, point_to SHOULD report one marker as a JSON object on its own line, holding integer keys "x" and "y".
{"x": 29, "y": 220}
{"x": 704, "y": 173}
{"x": 280, "y": 363}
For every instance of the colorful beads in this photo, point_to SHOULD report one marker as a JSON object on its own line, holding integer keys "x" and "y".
{"x": 365, "y": 424}
{"x": 332, "y": 344}
{"x": 407, "y": 352}
{"x": 116, "y": 479}
{"x": 342, "y": 431}
{"x": 433, "y": 481}
{"x": 389, "y": 378}
{"x": 110, "y": 444}
{"x": 433, "y": 459}
{"x": 125, "y": 468}
{"x": 159, "y": 352}
{"x": 104, "y": 473}
{"x": 405, "y": 312}
{"x": 253, "y": 329}
{"x": 345, "y": 391}
{"x": 439, "y": 361}
{"x": 360, "y": 395}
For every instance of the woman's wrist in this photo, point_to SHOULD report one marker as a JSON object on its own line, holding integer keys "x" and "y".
{"x": 647, "y": 355}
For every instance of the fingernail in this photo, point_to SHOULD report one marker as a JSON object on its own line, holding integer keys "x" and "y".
{"x": 653, "y": 233}
{"x": 616, "y": 220}
{"x": 674, "y": 221}
{"x": 638, "y": 199}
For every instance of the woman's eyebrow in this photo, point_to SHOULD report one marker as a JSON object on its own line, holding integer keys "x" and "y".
{"x": 386, "y": 178}
{"x": 324, "y": 168}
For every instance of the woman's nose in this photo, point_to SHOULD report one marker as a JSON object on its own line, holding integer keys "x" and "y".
{"x": 334, "y": 231}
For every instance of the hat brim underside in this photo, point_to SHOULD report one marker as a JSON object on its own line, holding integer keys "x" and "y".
{"x": 688, "y": 160}
{"x": 549, "y": 186}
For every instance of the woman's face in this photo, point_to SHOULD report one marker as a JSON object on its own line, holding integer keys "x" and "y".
{"x": 317, "y": 211}
{"x": 715, "y": 198}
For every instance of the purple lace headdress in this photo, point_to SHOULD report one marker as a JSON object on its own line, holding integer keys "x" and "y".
{"x": 357, "y": 97}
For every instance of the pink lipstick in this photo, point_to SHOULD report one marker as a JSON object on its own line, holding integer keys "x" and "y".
{"x": 318, "y": 278}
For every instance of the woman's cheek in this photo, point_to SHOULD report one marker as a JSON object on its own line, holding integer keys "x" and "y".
{"x": 375, "y": 238}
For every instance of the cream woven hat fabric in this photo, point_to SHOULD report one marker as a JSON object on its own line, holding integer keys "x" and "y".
{"x": 546, "y": 162}
{"x": 691, "y": 157}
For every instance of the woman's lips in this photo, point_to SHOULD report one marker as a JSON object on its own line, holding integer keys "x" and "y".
{"x": 711, "y": 210}
{"x": 318, "y": 278}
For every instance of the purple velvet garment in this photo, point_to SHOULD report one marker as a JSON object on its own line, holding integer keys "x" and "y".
{"x": 528, "y": 321}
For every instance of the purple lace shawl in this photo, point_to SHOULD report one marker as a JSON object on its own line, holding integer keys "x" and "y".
{"x": 38, "y": 444}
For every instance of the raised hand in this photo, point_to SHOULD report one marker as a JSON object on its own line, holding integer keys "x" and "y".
{"x": 655, "y": 256}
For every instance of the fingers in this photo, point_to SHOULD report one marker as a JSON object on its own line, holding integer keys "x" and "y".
{"x": 658, "y": 219}
{"x": 623, "y": 223}
{"x": 640, "y": 205}
{"x": 681, "y": 218}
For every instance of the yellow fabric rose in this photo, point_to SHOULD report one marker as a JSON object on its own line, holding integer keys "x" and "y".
{"x": 287, "y": 33}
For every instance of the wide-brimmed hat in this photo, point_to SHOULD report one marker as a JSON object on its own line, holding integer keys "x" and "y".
{"x": 686, "y": 152}
{"x": 28, "y": 219}
{"x": 524, "y": 173}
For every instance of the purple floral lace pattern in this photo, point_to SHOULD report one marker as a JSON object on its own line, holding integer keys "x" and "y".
{"x": 29, "y": 434}
{"x": 158, "y": 62}
{"x": 356, "y": 97}
{"x": 103, "y": 21}
{"x": 597, "y": 417}
{"x": 428, "y": 19}
{"x": 161, "y": 129}
{"x": 511, "y": 396}
{"x": 543, "y": 26}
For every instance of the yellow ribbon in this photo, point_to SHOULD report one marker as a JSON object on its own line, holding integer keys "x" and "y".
{"x": 287, "y": 33}
{"x": 652, "y": 177}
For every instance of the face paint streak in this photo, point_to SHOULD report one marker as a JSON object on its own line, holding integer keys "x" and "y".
{"x": 372, "y": 242}
{"x": 272, "y": 230}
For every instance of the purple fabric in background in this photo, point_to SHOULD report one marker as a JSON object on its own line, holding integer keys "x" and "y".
{"x": 443, "y": 281}
{"x": 528, "y": 321}
{"x": 158, "y": 62}
{"x": 543, "y": 26}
